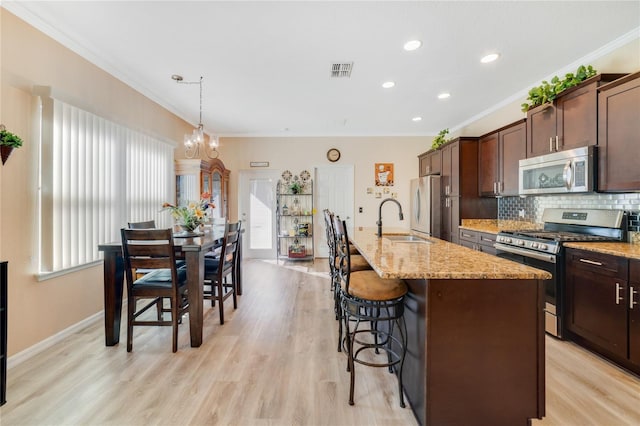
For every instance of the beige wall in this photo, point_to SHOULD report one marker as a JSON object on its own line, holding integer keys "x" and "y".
{"x": 38, "y": 310}
{"x": 297, "y": 154}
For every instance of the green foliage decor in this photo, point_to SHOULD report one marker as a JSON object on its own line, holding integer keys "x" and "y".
{"x": 9, "y": 139}
{"x": 548, "y": 91}
{"x": 295, "y": 187}
{"x": 441, "y": 139}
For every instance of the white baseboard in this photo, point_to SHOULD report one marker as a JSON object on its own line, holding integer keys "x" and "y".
{"x": 39, "y": 347}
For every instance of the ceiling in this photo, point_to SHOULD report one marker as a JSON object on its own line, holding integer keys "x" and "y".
{"x": 266, "y": 65}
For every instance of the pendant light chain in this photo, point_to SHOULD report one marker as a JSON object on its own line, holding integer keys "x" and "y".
{"x": 193, "y": 142}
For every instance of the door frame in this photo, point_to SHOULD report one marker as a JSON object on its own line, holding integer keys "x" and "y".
{"x": 244, "y": 177}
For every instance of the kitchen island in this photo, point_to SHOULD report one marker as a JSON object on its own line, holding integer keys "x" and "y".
{"x": 476, "y": 331}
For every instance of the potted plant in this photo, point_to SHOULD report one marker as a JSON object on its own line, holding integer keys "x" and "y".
{"x": 548, "y": 91}
{"x": 8, "y": 141}
{"x": 441, "y": 139}
{"x": 295, "y": 187}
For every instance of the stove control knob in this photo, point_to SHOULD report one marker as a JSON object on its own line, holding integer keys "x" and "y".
{"x": 520, "y": 242}
{"x": 542, "y": 246}
{"x": 534, "y": 245}
{"x": 507, "y": 240}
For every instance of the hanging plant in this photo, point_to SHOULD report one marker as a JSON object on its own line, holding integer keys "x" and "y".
{"x": 548, "y": 91}
{"x": 8, "y": 141}
{"x": 441, "y": 139}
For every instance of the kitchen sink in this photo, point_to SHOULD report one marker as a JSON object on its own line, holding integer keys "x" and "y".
{"x": 398, "y": 238}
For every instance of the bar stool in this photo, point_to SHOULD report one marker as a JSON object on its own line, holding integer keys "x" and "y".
{"x": 358, "y": 263}
{"x": 365, "y": 298}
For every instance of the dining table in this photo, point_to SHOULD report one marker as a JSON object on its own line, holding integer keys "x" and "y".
{"x": 190, "y": 247}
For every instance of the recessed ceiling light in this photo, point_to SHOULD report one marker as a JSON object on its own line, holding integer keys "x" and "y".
{"x": 416, "y": 119}
{"x": 489, "y": 58}
{"x": 388, "y": 84}
{"x": 412, "y": 45}
{"x": 444, "y": 95}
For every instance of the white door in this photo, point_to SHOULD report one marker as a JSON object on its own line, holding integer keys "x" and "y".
{"x": 256, "y": 207}
{"x": 334, "y": 189}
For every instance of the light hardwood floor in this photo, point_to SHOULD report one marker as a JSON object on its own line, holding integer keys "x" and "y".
{"x": 273, "y": 362}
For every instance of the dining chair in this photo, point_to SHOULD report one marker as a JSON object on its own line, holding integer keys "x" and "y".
{"x": 153, "y": 249}
{"x": 220, "y": 272}
{"x": 147, "y": 224}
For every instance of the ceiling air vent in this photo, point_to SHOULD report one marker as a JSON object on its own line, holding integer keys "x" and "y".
{"x": 341, "y": 69}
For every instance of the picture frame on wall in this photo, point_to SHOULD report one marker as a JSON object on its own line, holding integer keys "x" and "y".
{"x": 384, "y": 174}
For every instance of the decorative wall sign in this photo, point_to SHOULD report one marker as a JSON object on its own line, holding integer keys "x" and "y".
{"x": 384, "y": 174}
{"x": 259, "y": 164}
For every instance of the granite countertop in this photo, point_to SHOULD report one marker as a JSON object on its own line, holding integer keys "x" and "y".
{"x": 631, "y": 251}
{"x": 436, "y": 260}
{"x": 493, "y": 226}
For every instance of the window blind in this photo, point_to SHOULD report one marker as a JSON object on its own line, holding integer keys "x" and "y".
{"x": 103, "y": 175}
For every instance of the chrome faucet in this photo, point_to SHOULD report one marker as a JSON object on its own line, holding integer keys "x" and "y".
{"x": 379, "y": 222}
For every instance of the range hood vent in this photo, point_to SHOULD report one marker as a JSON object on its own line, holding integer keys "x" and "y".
{"x": 341, "y": 69}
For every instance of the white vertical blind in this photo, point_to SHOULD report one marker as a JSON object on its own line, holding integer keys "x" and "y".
{"x": 104, "y": 175}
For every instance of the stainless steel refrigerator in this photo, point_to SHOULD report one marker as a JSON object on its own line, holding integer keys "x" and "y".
{"x": 425, "y": 205}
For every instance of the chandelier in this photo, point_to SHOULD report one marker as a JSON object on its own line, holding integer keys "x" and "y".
{"x": 194, "y": 143}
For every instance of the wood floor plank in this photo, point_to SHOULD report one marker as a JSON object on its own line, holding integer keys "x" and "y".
{"x": 273, "y": 362}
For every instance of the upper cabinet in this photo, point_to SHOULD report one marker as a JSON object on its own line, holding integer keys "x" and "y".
{"x": 196, "y": 177}
{"x": 619, "y": 135}
{"x": 459, "y": 186}
{"x": 498, "y": 156}
{"x": 430, "y": 163}
{"x": 571, "y": 121}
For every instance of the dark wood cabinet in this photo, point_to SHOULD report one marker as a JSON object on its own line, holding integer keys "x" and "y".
{"x": 430, "y": 163}
{"x": 476, "y": 240}
{"x": 195, "y": 177}
{"x": 498, "y": 155}
{"x": 571, "y": 121}
{"x": 488, "y": 164}
{"x": 619, "y": 135}
{"x": 459, "y": 185}
{"x": 599, "y": 314}
{"x": 634, "y": 311}
{"x": 3, "y": 332}
{"x": 450, "y": 219}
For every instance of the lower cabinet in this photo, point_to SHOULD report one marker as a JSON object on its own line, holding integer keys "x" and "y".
{"x": 476, "y": 240}
{"x": 599, "y": 310}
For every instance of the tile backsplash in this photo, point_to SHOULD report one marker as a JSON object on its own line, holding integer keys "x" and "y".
{"x": 530, "y": 208}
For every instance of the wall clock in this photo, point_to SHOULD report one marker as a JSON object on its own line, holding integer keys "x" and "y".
{"x": 333, "y": 155}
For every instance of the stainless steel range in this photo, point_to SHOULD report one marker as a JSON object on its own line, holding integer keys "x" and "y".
{"x": 543, "y": 249}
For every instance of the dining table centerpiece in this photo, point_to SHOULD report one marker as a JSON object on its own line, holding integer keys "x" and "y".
{"x": 190, "y": 216}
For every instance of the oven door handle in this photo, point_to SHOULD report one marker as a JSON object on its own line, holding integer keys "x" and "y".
{"x": 549, "y": 258}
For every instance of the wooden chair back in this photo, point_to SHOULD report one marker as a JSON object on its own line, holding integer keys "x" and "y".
{"x": 148, "y": 224}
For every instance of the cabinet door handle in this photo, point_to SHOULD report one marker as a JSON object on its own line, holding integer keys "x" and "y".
{"x": 551, "y": 144}
{"x": 618, "y": 298}
{"x": 632, "y": 297}
{"x": 495, "y": 187}
{"x": 591, "y": 262}
{"x": 557, "y": 143}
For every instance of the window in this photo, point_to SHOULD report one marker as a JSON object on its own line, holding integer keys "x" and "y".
{"x": 95, "y": 176}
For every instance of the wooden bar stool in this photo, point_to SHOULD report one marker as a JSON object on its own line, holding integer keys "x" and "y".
{"x": 365, "y": 298}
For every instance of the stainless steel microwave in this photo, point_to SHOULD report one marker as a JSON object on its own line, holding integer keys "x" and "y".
{"x": 561, "y": 172}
